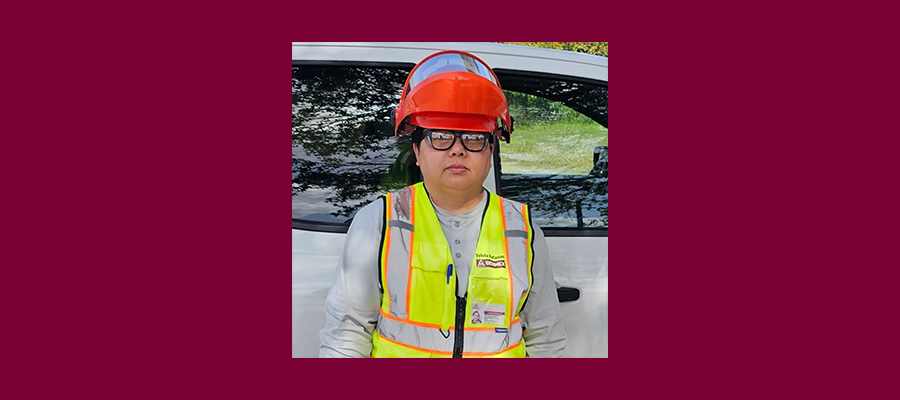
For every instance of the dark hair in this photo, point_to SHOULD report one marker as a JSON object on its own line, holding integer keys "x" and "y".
{"x": 417, "y": 135}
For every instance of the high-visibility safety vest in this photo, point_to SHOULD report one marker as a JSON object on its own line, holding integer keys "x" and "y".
{"x": 421, "y": 314}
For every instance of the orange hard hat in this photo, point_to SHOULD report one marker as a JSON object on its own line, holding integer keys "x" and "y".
{"x": 453, "y": 90}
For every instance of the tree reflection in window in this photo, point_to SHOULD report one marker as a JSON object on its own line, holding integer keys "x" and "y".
{"x": 344, "y": 152}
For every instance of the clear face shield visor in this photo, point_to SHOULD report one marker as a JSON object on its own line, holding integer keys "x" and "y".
{"x": 449, "y": 62}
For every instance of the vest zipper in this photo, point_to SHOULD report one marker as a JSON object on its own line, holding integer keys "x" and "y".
{"x": 460, "y": 321}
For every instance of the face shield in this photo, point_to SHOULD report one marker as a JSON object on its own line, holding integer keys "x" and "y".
{"x": 448, "y": 62}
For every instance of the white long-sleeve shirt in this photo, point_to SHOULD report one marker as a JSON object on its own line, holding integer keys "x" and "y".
{"x": 353, "y": 302}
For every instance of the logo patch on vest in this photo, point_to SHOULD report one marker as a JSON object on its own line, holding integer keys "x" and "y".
{"x": 489, "y": 263}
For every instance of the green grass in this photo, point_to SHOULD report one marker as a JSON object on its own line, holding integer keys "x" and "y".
{"x": 563, "y": 147}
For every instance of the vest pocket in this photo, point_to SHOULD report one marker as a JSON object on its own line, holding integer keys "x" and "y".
{"x": 428, "y": 283}
{"x": 431, "y": 298}
{"x": 489, "y": 297}
{"x": 427, "y": 286}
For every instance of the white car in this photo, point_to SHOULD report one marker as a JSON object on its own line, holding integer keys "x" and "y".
{"x": 345, "y": 156}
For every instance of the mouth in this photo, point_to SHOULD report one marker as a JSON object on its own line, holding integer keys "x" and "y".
{"x": 457, "y": 168}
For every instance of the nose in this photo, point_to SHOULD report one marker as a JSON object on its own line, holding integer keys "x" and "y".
{"x": 457, "y": 149}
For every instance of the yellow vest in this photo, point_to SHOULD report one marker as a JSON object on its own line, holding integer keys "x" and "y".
{"x": 421, "y": 314}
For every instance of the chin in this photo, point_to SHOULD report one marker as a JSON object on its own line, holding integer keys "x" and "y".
{"x": 460, "y": 182}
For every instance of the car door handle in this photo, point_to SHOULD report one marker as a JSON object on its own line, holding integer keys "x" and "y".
{"x": 567, "y": 294}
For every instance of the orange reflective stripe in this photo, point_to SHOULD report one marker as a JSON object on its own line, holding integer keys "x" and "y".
{"x": 409, "y": 346}
{"x": 407, "y": 321}
{"x": 412, "y": 221}
{"x": 525, "y": 217}
{"x": 527, "y": 247}
{"x": 386, "y": 250}
{"x": 508, "y": 262}
{"x": 484, "y": 354}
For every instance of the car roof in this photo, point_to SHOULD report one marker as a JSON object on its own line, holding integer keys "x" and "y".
{"x": 500, "y": 57}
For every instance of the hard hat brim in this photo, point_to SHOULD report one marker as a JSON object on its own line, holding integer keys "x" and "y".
{"x": 453, "y": 122}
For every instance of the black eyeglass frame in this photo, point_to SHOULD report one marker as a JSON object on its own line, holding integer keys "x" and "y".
{"x": 456, "y": 135}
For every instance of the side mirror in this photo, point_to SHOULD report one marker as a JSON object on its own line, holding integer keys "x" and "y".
{"x": 601, "y": 162}
{"x": 600, "y": 154}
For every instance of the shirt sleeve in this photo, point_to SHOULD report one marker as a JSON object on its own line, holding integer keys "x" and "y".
{"x": 541, "y": 317}
{"x": 351, "y": 308}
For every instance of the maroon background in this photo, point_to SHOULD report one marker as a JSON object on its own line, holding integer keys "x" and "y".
{"x": 155, "y": 263}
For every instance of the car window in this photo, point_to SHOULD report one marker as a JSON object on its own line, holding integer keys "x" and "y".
{"x": 344, "y": 152}
{"x": 557, "y": 158}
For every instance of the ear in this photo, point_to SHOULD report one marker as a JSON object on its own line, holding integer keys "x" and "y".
{"x": 416, "y": 151}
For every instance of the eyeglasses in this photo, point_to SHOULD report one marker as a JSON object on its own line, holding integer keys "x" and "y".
{"x": 444, "y": 140}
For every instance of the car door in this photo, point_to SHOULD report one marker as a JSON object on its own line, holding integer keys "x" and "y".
{"x": 557, "y": 162}
{"x": 345, "y": 156}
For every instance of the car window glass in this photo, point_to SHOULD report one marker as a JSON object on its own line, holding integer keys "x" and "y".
{"x": 345, "y": 154}
{"x": 557, "y": 159}
{"x": 344, "y": 151}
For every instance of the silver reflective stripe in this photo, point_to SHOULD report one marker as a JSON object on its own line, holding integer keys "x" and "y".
{"x": 490, "y": 341}
{"x": 402, "y": 204}
{"x": 398, "y": 258}
{"x": 516, "y": 233}
{"x": 514, "y": 219}
{"x": 518, "y": 247}
{"x": 432, "y": 339}
{"x": 405, "y": 225}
